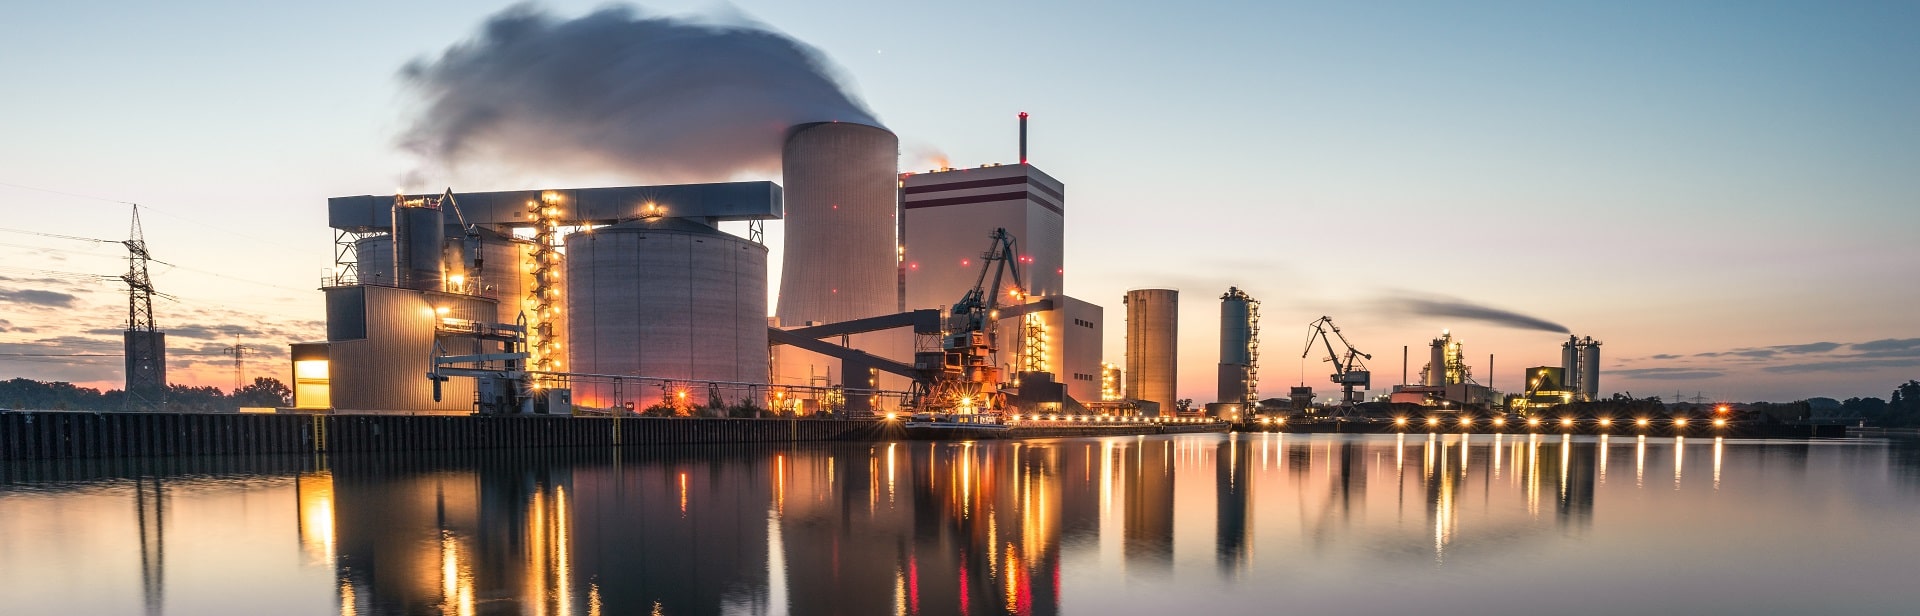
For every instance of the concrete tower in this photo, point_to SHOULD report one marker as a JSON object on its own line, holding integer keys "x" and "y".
{"x": 1153, "y": 334}
{"x": 841, "y": 260}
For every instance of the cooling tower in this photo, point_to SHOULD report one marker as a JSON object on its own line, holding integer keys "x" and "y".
{"x": 668, "y": 298}
{"x": 840, "y": 260}
{"x": 1153, "y": 331}
{"x": 1238, "y": 314}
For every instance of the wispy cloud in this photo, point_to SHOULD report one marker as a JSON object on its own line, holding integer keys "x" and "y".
{"x": 37, "y": 297}
{"x": 1667, "y": 373}
{"x": 1843, "y": 365}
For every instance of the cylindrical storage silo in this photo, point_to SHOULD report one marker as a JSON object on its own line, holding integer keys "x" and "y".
{"x": 493, "y": 265}
{"x": 841, "y": 218}
{"x": 418, "y": 234}
{"x": 667, "y": 298}
{"x": 1236, "y": 347}
{"x": 1153, "y": 336}
{"x": 373, "y": 257}
{"x": 1437, "y": 362}
{"x": 1590, "y": 369}
{"x": 1570, "y": 364}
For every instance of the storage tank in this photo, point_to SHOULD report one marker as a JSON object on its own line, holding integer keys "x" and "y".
{"x": 1437, "y": 362}
{"x": 841, "y": 261}
{"x": 667, "y": 298}
{"x": 418, "y": 235}
{"x": 1153, "y": 335}
{"x": 1238, "y": 314}
{"x": 491, "y": 265}
{"x": 1570, "y": 363}
{"x": 1590, "y": 368}
{"x": 373, "y": 258}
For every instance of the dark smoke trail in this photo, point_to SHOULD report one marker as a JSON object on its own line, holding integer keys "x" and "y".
{"x": 1460, "y": 309}
{"x": 661, "y": 98}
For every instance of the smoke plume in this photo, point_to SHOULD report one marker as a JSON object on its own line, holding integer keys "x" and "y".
{"x": 660, "y": 98}
{"x": 1435, "y": 306}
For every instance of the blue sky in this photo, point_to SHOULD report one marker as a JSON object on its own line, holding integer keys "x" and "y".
{"x": 1676, "y": 179}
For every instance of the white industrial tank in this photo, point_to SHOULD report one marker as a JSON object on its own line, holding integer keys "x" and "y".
{"x": 666, "y": 298}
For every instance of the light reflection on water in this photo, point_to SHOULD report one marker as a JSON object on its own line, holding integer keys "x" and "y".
{"x": 1237, "y": 523}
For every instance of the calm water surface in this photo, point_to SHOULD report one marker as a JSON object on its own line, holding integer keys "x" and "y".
{"x": 1211, "y": 524}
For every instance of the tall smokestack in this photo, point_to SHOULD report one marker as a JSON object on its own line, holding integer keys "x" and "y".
{"x": 1023, "y": 137}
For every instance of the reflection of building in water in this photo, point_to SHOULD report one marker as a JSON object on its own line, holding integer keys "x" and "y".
{"x": 672, "y": 534}
{"x": 150, "y": 503}
{"x": 1578, "y": 465}
{"x": 986, "y": 531}
{"x": 1232, "y": 487}
{"x": 502, "y": 537}
{"x": 1148, "y": 475}
{"x": 313, "y": 499}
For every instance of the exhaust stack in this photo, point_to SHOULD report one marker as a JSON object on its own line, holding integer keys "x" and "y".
{"x": 1023, "y": 137}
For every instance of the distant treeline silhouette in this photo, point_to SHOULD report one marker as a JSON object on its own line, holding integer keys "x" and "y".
{"x": 32, "y": 395}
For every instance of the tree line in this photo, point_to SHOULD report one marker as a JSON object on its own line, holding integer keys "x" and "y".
{"x": 31, "y": 395}
{"x": 1902, "y": 409}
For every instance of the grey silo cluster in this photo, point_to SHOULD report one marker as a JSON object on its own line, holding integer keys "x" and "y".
{"x": 1580, "y": 358}
{"x": 1239, "y": 348}
{"x": 666, "y": 298}
{"x": 1153, "y": 331}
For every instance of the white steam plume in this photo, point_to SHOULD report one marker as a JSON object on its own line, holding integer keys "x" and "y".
{"x": 654, "y": 98}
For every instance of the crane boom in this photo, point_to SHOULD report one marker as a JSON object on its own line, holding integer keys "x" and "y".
{"x": 969, "y": 378}
{"x": 1350, "y": 372}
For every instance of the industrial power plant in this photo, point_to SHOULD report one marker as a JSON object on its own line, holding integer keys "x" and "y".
{"x": 559, "y": 301}
{"x": 937, "y": 292}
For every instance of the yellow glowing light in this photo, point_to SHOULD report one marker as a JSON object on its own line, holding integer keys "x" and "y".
{"x": 442, "y": 311}
{"x": 1641, "y": 421}
{"x": 1533, "y": 421}
{"x": 1466, "y": 421}
{"x": 1606, "y": 422}
{"x": 1280, "y": 420}
{"x": 1400, "y": 421}
{"x": 889, "y": 416}
{"x": 1566, "y": 421}
{"x": 1499, "y": 421}
{"x": 1433, "y": 421}
{"x": 1680, "y": 421}
{"x": 1720, "y": 423}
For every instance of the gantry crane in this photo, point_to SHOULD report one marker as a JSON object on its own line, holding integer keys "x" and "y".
{"x": 969, "y": 379}
{"x": 1349, "y": 371}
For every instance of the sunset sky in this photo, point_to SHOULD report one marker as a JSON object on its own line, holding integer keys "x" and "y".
{"x": 1726, "y": 194}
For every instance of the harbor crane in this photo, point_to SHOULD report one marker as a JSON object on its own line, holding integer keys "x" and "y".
{"x": 968, "y": 379}
{"x": 1349, "y": 371}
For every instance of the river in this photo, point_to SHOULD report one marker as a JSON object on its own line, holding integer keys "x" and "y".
{"x": 1203, "y": 524}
